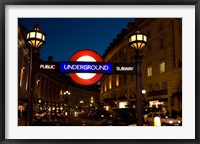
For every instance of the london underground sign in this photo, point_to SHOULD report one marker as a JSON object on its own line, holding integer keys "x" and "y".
{"x": 86, "y": 67}
{"x": 87, "y": 56}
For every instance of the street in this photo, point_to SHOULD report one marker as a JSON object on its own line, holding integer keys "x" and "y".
{"x": 64, "y": 121}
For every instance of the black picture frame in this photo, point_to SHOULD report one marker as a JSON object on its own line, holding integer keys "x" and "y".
{"x": 3, "y": 4}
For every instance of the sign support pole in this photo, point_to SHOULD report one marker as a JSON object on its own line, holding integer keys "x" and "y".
{"x": 139, "y": 97}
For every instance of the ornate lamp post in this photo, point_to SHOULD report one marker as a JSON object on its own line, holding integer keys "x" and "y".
{"x": 36, "y": 39}
{"x": 138, "y": 41}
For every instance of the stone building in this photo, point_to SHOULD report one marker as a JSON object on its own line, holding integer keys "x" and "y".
{"x": 23, "y": 70}
{"x": 53, "y": 92}
{"x": 57, "y": 93}
{"x": 161, "y": 66}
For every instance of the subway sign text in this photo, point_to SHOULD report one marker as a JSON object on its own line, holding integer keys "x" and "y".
{"x": 85, "y": 67}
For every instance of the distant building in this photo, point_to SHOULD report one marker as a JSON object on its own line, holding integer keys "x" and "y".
{"x": 58, "y": 93}
{"x": 161, "y": 66}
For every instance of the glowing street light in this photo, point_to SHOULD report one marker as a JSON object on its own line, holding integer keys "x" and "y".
{"x": 36, "y": 39}
{"x": 138, "y": 41}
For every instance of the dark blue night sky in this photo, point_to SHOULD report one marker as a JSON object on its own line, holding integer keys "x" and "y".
{"x": 65, "y": 36}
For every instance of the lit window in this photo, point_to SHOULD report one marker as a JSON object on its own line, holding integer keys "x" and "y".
{"x": 61, "y": 92}
{"x": 161, "y": 44}
{"x": 105, "y": 87}
{"x": 37, "y": 82}
{"x": 102, "y": 89}
{"x": 110, "y": 82}
{"x": 27, "y": 82}
{"x": 21, "y": 75}
{"x": 162, "y": 66}
{"x": 149, "y": 71}
{"x": 117, "y": 81}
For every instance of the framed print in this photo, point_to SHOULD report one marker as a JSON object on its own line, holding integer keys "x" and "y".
{"x": 99, "y": 71}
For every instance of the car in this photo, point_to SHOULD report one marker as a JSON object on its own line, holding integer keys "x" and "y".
{"x": 99, "y": 114}
{"x": 78, "y": 112}
{"x": 164, "y": 119}
{"x": 128, "y": 115}
{"x": 122, "y": 118}
{"x": 39, "y": 115}
{"x": 147, "y": 110}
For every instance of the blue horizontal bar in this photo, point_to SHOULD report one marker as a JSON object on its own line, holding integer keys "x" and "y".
{"x": 86, "y": 67}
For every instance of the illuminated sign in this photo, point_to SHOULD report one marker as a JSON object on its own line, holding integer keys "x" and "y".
{"x": 124, "y": 68}
{"x": 48, "y": 67}
{"x": 86, "y": 56}
{"x": 85, "y": 67}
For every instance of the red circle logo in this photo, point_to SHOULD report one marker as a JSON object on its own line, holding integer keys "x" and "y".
{"x": 86, "y": 56}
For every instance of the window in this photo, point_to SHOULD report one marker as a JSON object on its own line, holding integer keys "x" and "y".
{"x": 157, "y": 87}
{"x": 172, "y": 101}
{"x": 160, "y": 26}
{"x": 105, "y": 87}
{"x": 149, "y": 70}
{"x": 119, "y": 53}
{"x": 21, "y": 75}
{"x": 161, "y": 44}
{"x": 124, "y": 50}
{"x": 124, "y": 79}
{"x": 162, "y": 66}
{"x": 37, "y": 82}
{"x": 117, "y": 80}
{"x": 101, "y": 88}
{"x": 164, "y": 85}
{"x": 179, "y": 64}
{"x": 150, "y": 87}
{"x": 110, "y": 83}
{"x": 149, "y": 50}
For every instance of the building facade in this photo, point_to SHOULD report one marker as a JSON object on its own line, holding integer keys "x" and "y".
{"x": 23, "y": 70}
{"x": 161, "y": 66}
{"x": 52, "y": 92}
{"x": 57, "y": 93}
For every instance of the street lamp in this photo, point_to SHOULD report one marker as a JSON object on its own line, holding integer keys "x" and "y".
{"x": 138, "y": 41}
{"x": 143, "y": 92}
{"x": 36, "y": 39}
